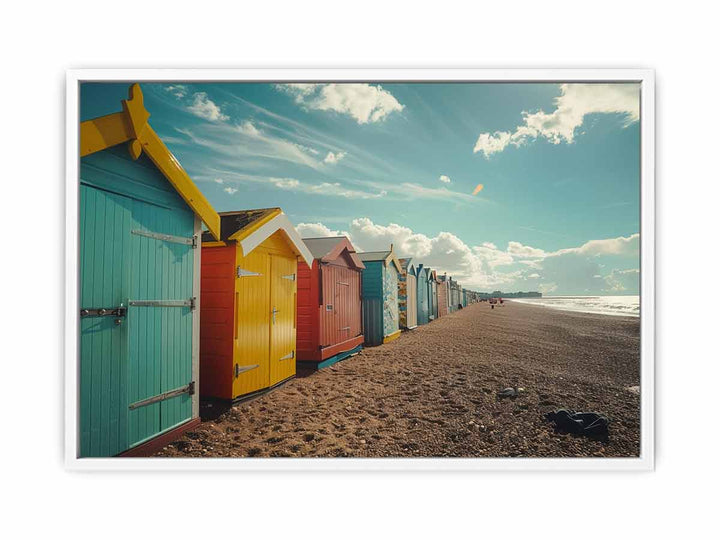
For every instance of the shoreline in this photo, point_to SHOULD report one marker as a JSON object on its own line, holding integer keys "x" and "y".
{"x": 531, "y": 302}
{"x": 433, "y": 393}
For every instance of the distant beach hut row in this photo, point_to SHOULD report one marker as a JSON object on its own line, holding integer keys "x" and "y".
{"x": 169, "y": 313}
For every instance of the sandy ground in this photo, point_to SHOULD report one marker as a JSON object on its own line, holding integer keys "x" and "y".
{"x": 433, "y": 392}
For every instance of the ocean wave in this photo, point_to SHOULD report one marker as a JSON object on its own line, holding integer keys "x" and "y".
{"x": 627, "y": 306}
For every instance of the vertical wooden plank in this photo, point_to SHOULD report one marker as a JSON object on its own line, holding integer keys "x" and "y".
{"x": 103, "y": 226}
{"x": 87, "y": 229}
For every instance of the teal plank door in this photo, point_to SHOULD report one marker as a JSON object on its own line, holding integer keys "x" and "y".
{"x": 104, "y": 249}
{"x": 125, "y": 208}
{"x": 160, "y": 357}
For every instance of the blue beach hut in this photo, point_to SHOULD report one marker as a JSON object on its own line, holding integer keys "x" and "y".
{"x": 381, "y": 317}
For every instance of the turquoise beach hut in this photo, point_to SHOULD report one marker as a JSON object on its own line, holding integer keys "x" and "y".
{"x": 381, "y": 317}
{"x": 423, "y": 295}
{"x": 140, "y": 219}
{"x": 432, "y": 294}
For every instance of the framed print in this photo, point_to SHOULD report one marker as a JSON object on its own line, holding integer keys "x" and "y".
{"x": 361, "y": 269}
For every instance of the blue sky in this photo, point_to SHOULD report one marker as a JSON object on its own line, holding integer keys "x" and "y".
{"x": 559, "y": 164}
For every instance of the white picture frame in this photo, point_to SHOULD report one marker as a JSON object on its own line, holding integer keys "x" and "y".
{"x": 646, "y": 78}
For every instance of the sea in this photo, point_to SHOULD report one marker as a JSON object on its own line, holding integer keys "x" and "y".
{"x": 627, "y": 306}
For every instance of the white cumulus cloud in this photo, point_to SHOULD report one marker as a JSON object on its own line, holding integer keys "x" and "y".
{"x": 486, "y": 267}
{"x": 574, "y": 103}
{"x": 334, "y": 157}
{"x": 204, "y": 107}
{"x": 444, "y": 179}
{"x": 317, "y": 230}
{"x": 366, "y": 103}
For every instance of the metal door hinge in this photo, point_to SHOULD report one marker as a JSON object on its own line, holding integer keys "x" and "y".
{"x": 166, "y": 237}
{"x": 291, "y": 277}
{"x": 288, "y": 356}
{"x": 190, "y": 302}
{"x": 241, "y": 272}
{"x": 187, "y": 389}
{"x": 242, "y": 369}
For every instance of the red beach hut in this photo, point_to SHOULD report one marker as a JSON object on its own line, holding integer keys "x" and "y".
{"x": 329, "y": 305}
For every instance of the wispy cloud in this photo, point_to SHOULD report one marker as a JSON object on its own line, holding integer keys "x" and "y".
{"x": 177, "y": 90}
{"x": 366, "y": 103}
{"x": 230, "y": 190}
{"x": 574, "y": 103}
{"x": 326, "y": 189}
{"x": 413, "y": 190}
{"x": 444, "y": 179}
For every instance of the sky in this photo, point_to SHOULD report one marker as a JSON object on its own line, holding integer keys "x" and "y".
{"x": 555, "y": 169}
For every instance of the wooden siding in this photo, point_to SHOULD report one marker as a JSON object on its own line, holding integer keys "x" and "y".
{"x": 423, "y": 305}
{"x": 308, "y": 311}
{"x": 104, "y": 244}
{"x": 252, "y": 333}
{"x": 217, "y": 319}
{"x": 432, "y": 298}
{"x": 442, "y": 298}
{"x": 255, "y": 341}
{"x": 160, "y": 357}
{"x": 340, "y": 308}
{"x": 391, "y": 315}
{"x": 411, "y": 301}
{"x": 283, "y": 285}
{"x": 407, "y": 299}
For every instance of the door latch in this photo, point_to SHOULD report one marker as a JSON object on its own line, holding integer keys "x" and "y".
{"x": 120, "y": 311}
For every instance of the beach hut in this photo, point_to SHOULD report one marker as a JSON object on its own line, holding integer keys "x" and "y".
{"x": 423, "y": 294}
{"x": 443, "y": 297}
{"x": 248, "y": 316}
{"x": 454, "y": 293}
{"x": 407, "y": 295}
{"x": 140, "y": 220}
{"x": 381, "y": 320}
{"x": 432, "y": 295}
{"x": 464, "y": 298}
{"x": 329, "y": 303}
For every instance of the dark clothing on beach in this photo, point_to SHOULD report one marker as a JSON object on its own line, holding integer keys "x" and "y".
{"x": 592, "y": 425}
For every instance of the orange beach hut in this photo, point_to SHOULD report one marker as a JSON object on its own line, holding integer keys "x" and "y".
{"x": 248, "y": 315}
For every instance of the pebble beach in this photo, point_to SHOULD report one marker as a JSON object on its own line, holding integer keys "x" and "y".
{"x": 433, "y": 392}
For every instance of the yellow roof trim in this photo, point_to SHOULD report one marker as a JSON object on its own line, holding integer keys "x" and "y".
{"x": 131, "y": 125}
{"x": 250, "y": 228}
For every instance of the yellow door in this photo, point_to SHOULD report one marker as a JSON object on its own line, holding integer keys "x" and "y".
{"x": 251, "y": 369}
{"x": 283, "y": 286}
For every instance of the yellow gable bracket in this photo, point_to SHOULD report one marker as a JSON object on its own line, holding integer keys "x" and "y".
{"x": 131, "y": 126}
